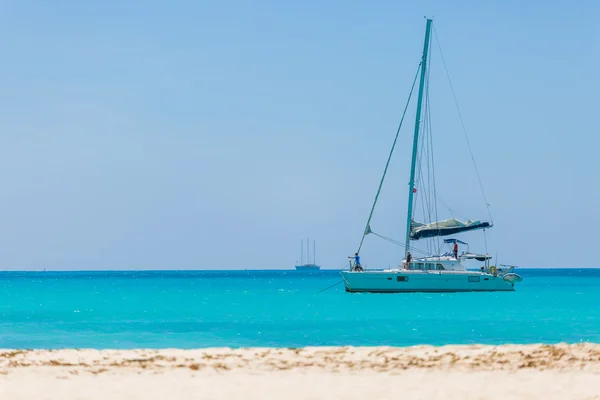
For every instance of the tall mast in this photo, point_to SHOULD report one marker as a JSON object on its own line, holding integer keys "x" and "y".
{"x": 411, "y": 185}
{"x": 307, "y": 251}
{"x": 314, "y": 252}
{"x": 301, "y": 251}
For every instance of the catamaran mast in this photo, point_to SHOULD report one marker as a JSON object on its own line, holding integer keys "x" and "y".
{"x": 411, "y": 185}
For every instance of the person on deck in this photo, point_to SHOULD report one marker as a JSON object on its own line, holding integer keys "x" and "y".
{"x": 455, "y": 250}
{"x": 356, "y": 261}
{"x": 408, "y": 259}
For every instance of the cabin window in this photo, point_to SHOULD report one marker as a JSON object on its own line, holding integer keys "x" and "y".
{"x": 402, "y": 278}
{"x": 440, "y": 267}
{"x": 474, "y": 279}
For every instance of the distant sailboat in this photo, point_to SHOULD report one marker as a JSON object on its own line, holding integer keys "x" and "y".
{"x": 435, "y": 272}
{"x": 308, "y": 266}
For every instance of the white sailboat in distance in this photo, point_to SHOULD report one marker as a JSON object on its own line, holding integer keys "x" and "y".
{"x": 434, "y": 271}
{"x": 308, "y": 266}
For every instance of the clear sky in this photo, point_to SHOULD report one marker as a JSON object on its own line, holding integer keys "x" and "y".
{"x": 214, "y": 135}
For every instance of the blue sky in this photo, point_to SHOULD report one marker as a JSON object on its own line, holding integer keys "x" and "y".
{"x": 191, "y": 134}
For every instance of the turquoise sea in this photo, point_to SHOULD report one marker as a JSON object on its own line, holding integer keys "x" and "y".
{"x": 190, "y": 309}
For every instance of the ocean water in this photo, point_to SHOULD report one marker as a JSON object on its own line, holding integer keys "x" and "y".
{"x": 166, "y": 309}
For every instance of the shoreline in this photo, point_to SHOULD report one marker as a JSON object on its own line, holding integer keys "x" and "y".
{"x": 560, "y": 371}
{"x": 562, "y": 356}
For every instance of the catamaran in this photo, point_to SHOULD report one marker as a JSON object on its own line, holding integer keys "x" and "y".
{"x": 434, "y": 271}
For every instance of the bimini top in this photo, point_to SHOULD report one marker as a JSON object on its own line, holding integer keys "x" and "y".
{"x": 444, "y": 228}
{"x": 455, "y": 241}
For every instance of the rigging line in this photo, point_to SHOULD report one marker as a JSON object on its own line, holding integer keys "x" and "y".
{"x": 424, "y": 164}
{"x": 421, "y": 194}
{"x": 426, "y": 218}
{"x": 415, "y": 250}
{"x": 421, "y": 179}
{"x": 462, "y": 124}
{"x": 388, "y": 160}
{"x": 423, "y": 198}
{"x": 427, "y": 143}
{"x": 445, "y": 204}
{"x": 439, "y": 246}
{"x": 335, "y": 284}
{"x": 424, "y": 176}
{"x": 485, "y": 240}
{"x": 399, "y": 244}
{"x": 452, "y": 211}
{"x": 424, "y": 203}
{"x": 425, "y": 195}
{"x": 425, "y": 161}
{"x": 431, "y": 202}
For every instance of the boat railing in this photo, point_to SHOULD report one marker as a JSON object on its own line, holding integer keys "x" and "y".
{"x": 508, "y": 271}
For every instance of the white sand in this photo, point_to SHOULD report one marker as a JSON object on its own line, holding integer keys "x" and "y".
{"x": 366, "y": 373}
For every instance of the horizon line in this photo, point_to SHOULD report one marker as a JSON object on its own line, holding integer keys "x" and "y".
{"x": 232, "y": 270}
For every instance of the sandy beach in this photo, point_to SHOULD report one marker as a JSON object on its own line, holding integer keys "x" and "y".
{"x": 424, "y": 372}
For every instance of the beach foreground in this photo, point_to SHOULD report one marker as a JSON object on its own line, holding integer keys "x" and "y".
{"x": 424, "y": 372}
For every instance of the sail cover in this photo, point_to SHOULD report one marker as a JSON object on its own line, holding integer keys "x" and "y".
{"x": 443, "y": 228}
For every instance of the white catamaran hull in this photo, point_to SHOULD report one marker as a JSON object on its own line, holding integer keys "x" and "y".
{"x": 404, "y": 281}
